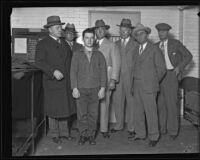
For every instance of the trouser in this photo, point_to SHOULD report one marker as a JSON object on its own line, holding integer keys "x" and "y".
{"x": 121, "y": 95}
{"x": 145, "y": 105}
{"x": 87, "y": 111}
{"x": 104, "y": 112}
{"x": 58, "y": 127}
{"x": 167, "y": 104}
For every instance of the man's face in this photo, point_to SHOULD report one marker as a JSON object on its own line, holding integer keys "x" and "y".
{"x": 55, "y": 30}
{"x": 163, "y": 34}
{"x": 69, "y": 36}
{"x": 88, "y": 39}
{"x": 100, "y": 32}
{"x": 141, "y": 37}
{"x": 125, "y": 32}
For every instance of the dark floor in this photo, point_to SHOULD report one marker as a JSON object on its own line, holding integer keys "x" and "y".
{"x": 187, "y": 142}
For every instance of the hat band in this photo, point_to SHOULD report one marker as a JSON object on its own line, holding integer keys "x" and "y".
{"x": 125, "y": 25}
{"x": 53, "y": 22}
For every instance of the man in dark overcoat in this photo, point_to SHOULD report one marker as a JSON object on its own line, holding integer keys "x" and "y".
{"x": 70, "y": 35}
{"x": 53, "y": 57}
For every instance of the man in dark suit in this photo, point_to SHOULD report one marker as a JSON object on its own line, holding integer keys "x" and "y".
{"x": 53, "y": 57}
{"x": 122, "y": 93}
{"x": 177, "y": 57}
{"x": 70, "y": 35}
{"x": 147, "y": 71}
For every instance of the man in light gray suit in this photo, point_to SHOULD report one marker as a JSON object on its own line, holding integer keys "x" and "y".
{"x": 112, "y": 56}
{"x": 122, "y": 93}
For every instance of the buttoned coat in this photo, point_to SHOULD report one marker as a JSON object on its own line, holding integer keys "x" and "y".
{"x": 51, "y": 55}
{"x": 112, "y": 57}
{"x": 152, "y": 67}
{"x": 178, "y": 54}
{"x": 129, "y": 51}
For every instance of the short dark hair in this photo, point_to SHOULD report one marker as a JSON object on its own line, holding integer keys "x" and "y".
{"x": 88, "y": 30}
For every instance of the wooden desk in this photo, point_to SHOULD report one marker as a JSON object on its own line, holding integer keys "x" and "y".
{"x": 32, "y": 136}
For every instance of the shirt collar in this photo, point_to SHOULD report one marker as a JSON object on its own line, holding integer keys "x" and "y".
{"x": 143, "y": 45}
{"x": 126, "y": 40}
{"x": 165, "y": 42}
{"x": 53, "y": 37}
{"x": 100, "y": 41}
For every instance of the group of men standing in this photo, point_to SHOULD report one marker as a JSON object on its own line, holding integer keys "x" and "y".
{"x": 132, "y": 72}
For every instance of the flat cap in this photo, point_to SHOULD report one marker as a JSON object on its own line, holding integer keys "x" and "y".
{"x": 163, "y": 26}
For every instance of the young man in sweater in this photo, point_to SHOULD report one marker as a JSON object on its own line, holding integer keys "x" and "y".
{"x": 88, "y": 81}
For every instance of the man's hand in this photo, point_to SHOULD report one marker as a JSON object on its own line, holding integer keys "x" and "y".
{"x": 76, "y": 93}
{"x": 111, "y": 84}
{"x": 101, "y": 93}
{"x": 58, "y": 75}
{"x": 177, "y": 71}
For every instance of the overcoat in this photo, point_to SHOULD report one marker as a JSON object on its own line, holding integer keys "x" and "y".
{"x": 51, "y": 55}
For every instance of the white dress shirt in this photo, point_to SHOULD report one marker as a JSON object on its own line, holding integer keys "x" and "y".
{"x": 142, "y": 45}
{"x": 167, "y": 60}
{"x": 126, "y": 41}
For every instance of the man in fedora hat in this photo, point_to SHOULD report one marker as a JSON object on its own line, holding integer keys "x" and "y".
{"x": 177, "y": 56}
{"x": 112, "y": 56}
{"x": 122, "y": 93}
{"x": 53, "y": 57}
{"x": 70, "y": 37}
{"x": 147, "y": 71}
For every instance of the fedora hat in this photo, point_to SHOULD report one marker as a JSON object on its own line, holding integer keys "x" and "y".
{"x": 53, "y": 20}
{"x": 70, "y": 28}
{"x": 163, "y": 27}
{"x": 126, "y": 23}
{"x": 100, "y": 23}
{"x": 141, "y": 27}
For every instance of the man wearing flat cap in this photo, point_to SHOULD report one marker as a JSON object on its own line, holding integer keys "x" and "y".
{"x": 53, "y": 57}
{"x": 147, "y": 71}
{"x": 112, "y": 57}
{"x": 70, "y": 35}
{"x": 177, "y": 56}
{"x": 122, "y": 93}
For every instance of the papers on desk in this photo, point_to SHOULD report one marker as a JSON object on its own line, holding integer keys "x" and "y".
{"x": 20, "y": 46}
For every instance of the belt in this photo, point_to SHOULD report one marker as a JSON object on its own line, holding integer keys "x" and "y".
{"x": 170, "y": 70}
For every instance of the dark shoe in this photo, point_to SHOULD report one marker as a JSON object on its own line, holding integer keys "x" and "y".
{"x": 69, "y": 138}
{"x": 133, "y": 138}
{"x": 131, "y": 133}
{"x": 82, "y": 140}
{"x": 57, "y": 140}
{"x": 114, "y": 130}
{"x": 92, "y": 140}
{"x": 172, "y": 137}
{"x": 105, "y": 134}
{"x": 152, "y": 143}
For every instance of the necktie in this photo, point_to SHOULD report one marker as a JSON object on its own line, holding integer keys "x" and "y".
{"x": 71, "y": 44}
{"x": 123, "y": 43}
{"x": 162, "y": 47}
{"x": 141, "y": 49}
